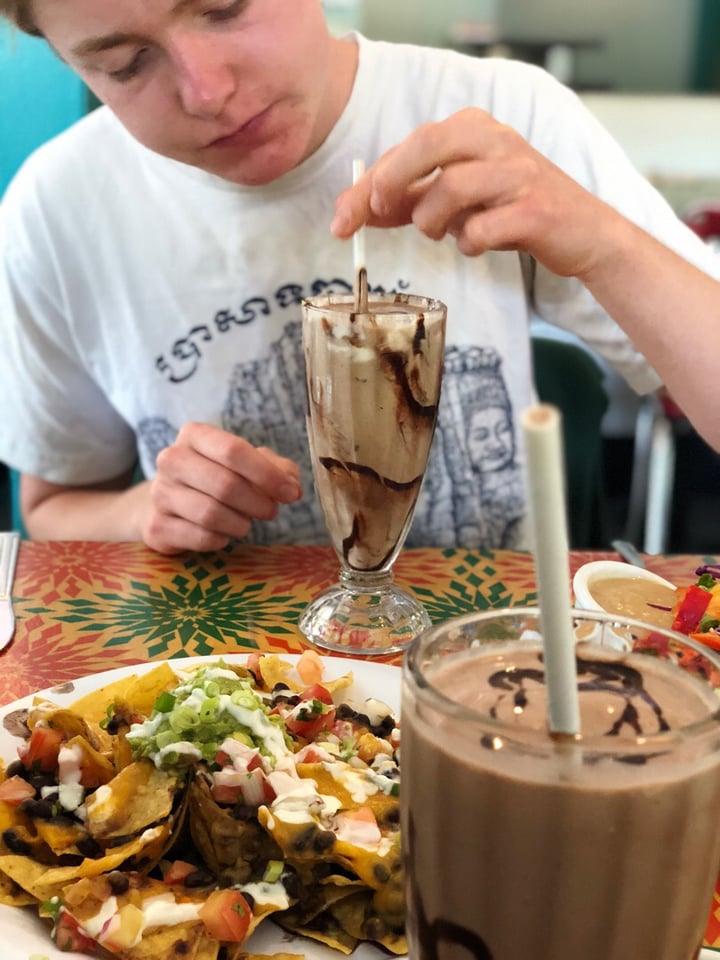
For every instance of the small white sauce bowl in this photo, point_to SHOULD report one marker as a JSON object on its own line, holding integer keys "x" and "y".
{"x": 590, "y": 573}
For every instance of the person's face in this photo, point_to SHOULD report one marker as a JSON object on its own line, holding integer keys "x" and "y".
{"x": 490, "y": 439}
{"x": 245, "y": 89}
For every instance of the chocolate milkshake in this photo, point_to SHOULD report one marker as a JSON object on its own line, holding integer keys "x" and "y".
{"x": 518, "y": 845}
{"x": 373, "y": 388}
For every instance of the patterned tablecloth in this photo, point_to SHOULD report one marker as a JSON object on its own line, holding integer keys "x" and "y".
{"x": 84, "y": 607}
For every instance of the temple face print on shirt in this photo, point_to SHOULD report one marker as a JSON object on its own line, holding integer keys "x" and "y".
{"x": 472, "y": 495}
{"x": 473, "y": 491}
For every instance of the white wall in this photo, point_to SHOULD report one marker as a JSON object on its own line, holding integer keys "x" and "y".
{"x": 665, "y": 136}
{"x": 422, "y": 21}
{"x": 647, "y": 44}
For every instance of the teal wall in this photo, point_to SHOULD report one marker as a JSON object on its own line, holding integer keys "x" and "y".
{"x": 39, "y": 97}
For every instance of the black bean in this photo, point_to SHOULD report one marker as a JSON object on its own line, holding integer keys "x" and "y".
{"x": 324, "y": 840}
{"x": 70, "y": 860}
{"x": 345, "y": 712}
{"x": 375, "y": 928}
{"x": 392, "y": 815}
{"x": 303, "y": 840}
{"x": 37, "y": 809}
{"x": 292, "y": 884}
{"x": 198, "y": 878}
{"x": 16, "y": 844}
{"x": 387, "y": 724}
{"x": 118, "y": 882}
{"x": 39, "y": 780}
{"x": 16, "y": 769}
{"x": 89, "y": 847}
{"x": 279, "y": 695}
{"x": 381, "y": 873}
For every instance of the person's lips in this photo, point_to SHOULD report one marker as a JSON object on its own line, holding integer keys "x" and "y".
{"x": 244, "y": 135}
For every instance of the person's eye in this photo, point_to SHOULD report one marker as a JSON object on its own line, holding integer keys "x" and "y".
{"x": 130, "y": 70}
{"x": 227, "y": 12}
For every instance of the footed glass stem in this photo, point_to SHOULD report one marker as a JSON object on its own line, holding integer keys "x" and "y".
{"x": 364, "y": 614}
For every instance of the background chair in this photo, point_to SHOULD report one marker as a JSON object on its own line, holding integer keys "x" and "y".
{"x": 15, "y": 515}
{"x": 660, "y": 424}
{"x": 567, "y": 376}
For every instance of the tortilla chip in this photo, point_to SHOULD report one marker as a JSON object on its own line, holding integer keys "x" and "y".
{"x": 324, "y": 928}
{"x": 235, "y": 851}
{"x": 185, "y": 941}
{"x": 45, "y": 883}
{"x": 275, "y": 670}
{"x": 236, "y": 952}
{"x": 139, "y": 795}
{"x": 30, "y": 875}
{"x": 356, "y": 915}
{"x": 139, "y": 690}
{"x": 60, "y": 834}
{"x": 13, "y": 895}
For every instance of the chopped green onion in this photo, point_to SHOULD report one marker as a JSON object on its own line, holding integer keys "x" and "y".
{"x": 273, "y": 871}
{"x": 164, "y": 703}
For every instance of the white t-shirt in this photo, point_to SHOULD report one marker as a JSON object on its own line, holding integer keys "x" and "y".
{"x": 137, "y": 293}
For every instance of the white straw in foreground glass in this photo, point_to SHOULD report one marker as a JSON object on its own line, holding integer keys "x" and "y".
{"x": 360, "y": 288}
{"x": 546, "y": 498}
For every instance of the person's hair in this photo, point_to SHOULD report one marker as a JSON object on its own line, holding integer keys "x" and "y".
{"x": 19, "y": 12}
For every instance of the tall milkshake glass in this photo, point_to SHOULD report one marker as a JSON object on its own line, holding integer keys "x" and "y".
{"x": 373, "y": 386}
{"x": 518, "y": 843}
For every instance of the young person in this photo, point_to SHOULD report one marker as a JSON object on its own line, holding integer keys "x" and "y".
{"x": 153, "y": 259}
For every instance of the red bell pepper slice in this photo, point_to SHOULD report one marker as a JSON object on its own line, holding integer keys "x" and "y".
{"x": 691, "y": 609}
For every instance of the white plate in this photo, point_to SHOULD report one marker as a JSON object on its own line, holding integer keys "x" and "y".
{"x": 24, "y": 935}
{"x": 22, "y": 932}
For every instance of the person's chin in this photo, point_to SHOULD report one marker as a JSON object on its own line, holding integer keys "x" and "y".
{"x": 254, "y": 169}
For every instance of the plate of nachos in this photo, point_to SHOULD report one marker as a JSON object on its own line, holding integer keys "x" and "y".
{"x": 228, "y": 808}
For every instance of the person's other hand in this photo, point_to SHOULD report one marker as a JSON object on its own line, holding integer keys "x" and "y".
{"x": 479, "y": 181}
{"x": 209, "y": 486}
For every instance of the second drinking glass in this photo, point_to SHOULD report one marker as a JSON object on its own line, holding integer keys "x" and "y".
{"x": 373, "y": 386}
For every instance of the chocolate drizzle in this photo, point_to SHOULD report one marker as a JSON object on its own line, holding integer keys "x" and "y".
{"x": 616, "y": 679}
{"x": 329, "y": 463}
{"x": 354, "y": 538}
{"x": 433, "y": 936}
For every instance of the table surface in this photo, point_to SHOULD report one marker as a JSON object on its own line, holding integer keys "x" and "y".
{"x": 84, "y": 607}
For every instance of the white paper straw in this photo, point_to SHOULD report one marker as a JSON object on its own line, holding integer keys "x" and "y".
{"x": 546, "y": 499}
{"x": 359, "y": 259}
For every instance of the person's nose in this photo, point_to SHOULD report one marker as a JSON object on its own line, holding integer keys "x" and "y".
{"x": 205, "y": 79}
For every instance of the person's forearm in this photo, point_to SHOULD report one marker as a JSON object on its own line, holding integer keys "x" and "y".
{"x": 671, "y": 312}
{"x": 83, "y": 514}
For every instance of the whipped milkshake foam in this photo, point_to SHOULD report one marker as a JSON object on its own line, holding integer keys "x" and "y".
{"x": 373, "y": 389}
{"x": 518, "y": 846}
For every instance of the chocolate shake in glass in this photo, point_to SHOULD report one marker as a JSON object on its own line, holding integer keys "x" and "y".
{"x": 373, "y": 386}
{"x": 518, "y": 843}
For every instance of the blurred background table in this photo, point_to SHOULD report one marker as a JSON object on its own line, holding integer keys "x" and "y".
{"x": 83, "y": 607}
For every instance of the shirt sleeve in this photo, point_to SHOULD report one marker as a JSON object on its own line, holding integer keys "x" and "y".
{"x": 557, "y": 123}
{"x": 57, "y": 423}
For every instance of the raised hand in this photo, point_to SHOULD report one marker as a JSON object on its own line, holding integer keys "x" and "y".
{"x": 479, "y": 181}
